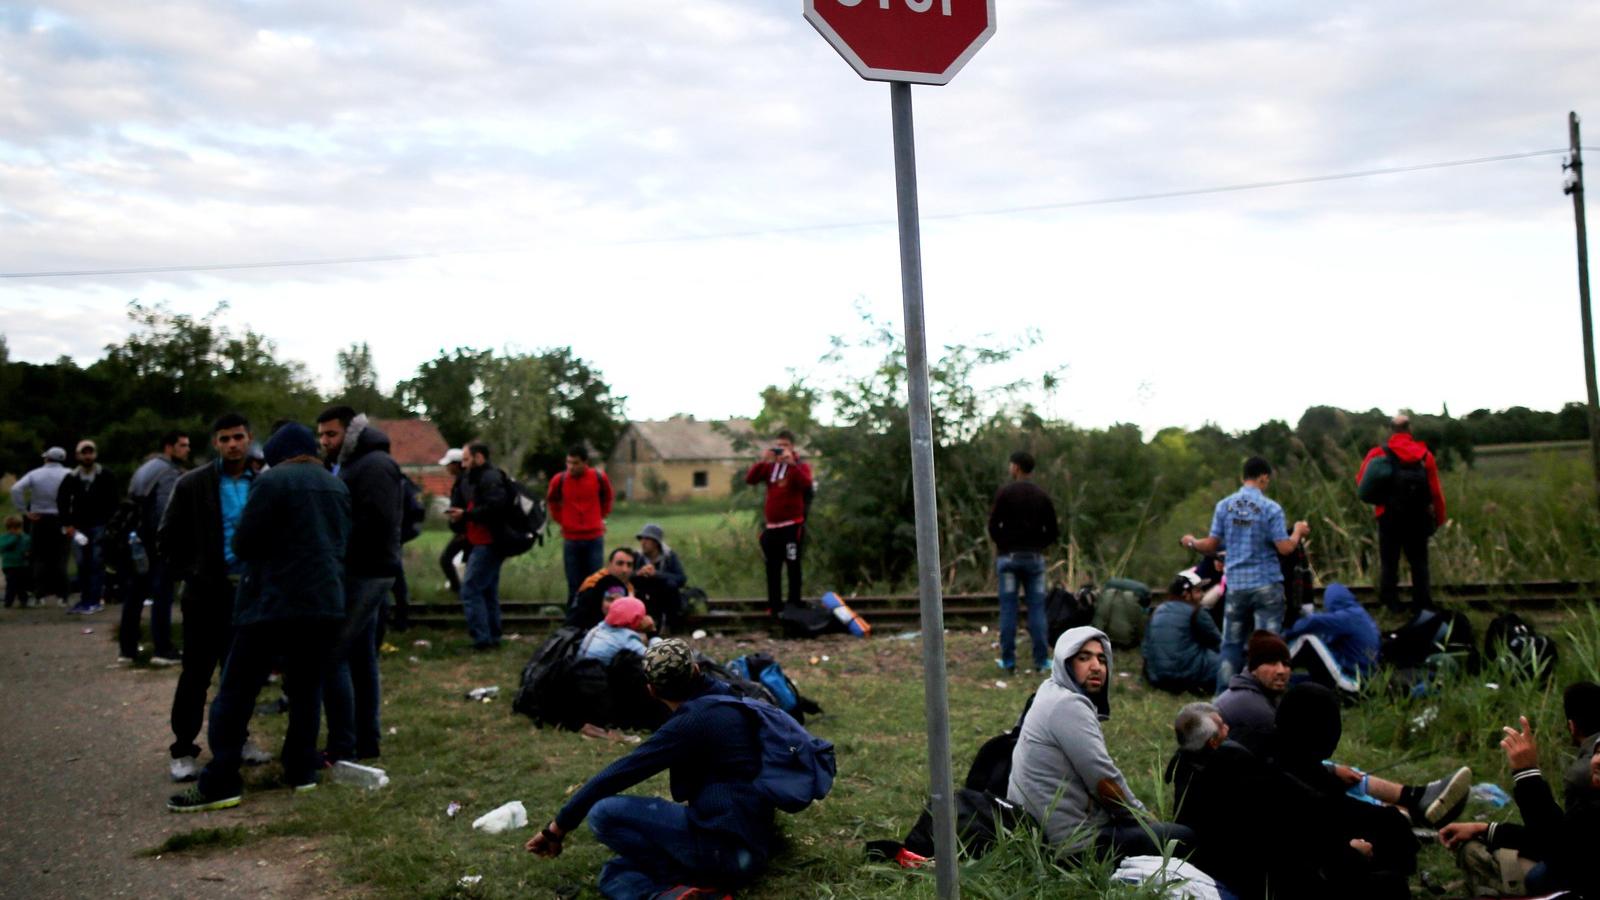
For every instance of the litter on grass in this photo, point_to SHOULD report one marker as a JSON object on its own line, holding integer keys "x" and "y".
{"x": 484, "y": 694}
{"x": 1491, "y": 793}
{"x": 451, "y": 810}
{"x": 506, "y": 817}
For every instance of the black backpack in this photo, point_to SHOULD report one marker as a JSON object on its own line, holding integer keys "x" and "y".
{"x": 1432, "y": 633}
{"x": 523, "y": 525}
{"x": 991, "y": 768}
{"x": 412, "y": 510}
{"x": 1517, "y": 649}
{"x": 116, "y": 553}
{"x": 805, "y": 621}
{"x": 1063, "y": 610}
{"x": 540, "y": 696}
{"x": 1410, "y": 495}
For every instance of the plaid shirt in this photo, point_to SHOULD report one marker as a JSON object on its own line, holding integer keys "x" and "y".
{"x": 1248, "y": 525}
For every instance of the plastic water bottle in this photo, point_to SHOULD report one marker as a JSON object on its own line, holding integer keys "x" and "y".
{"x": 141, "y": 559}
{"x": 357, "y": 775}
{"x": 508, "y": 817}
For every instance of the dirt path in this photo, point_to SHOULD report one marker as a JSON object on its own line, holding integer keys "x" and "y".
{"x": 84, "y": 747}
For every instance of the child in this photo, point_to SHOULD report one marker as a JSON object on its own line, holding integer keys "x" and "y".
{"x": 14, "y": 551}
{"x": 622, "y": 630}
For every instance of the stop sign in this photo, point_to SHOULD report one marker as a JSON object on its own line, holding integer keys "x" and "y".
{"x": 921, "y": 41}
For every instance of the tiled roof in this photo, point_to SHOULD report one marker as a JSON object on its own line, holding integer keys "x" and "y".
{"x": 413, "y": 442}
{"x": 692, "y": 439}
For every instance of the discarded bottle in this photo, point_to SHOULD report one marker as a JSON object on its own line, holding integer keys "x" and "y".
{"x": 503, "y": 818}
{"x": 357, "y": 775}
{"x": 484, "y": 693}
{"x": 141, "y": 559}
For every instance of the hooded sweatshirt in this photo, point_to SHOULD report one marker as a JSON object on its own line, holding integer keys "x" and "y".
{"x": 1347, "y": 629}
{"x": 1409, "y": 450}
{"x": 377, "y": 497}
{"x": 1061, "y": 758}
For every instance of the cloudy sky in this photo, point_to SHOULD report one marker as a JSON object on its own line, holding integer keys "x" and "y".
{"x": 696, "y": 196}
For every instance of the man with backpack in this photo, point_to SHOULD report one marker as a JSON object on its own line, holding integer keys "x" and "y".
{"x": 151, "y": 488}
{"x": 732, "y": 762}
{"x": 1022, "y": 524}
{"x": 579, "y": 500}
{"x": 486, "y": 495}
{"x": 1401, "y": 480}
{"x": 358, "y": 453}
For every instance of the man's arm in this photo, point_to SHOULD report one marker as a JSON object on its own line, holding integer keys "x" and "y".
{"x": 759, "y": 472}
{"x": 488, "y": 499}
{"x": 1205, "y": 630}
{"x": 1287, "y": 545}
{"x": 657, "y": 754}
{"x": 19, "y": 492}
{"x": 607, "y": 496}
{"x": 553, "y": 495}
{"x": 1085, "y": 749}
{"x": 1211, "y": 543}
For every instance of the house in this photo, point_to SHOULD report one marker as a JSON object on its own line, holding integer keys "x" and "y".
{"x": 680, "y": 458}
{"x": 417, "y": 446}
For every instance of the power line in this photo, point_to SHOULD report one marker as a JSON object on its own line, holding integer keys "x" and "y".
{"x": 801, "y": 229}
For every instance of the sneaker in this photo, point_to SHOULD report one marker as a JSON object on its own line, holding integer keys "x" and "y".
{"x": 81, "y": 609}
{"x": 184, "y": 768}
{"x": 305, "y": 787}
{"x": 251, "y": 754}
{"x": 126, "y": 660}
{"x": 148, "y": 603}
{"x": 1005, "y": 668}
{"x": 162, "y": 662}
{"x": 194, "y": 801}
{"x": 1444, "y": 798}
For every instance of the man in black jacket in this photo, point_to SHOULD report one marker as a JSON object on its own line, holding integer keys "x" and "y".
{"x": 292, "y": 540}
{"x": 88, "y": 497}
{"x": 358, "y": 453}
{"x": 195, "y": 541}
{"x": 485, "y": 498}
{"x": 1022, "y": 524}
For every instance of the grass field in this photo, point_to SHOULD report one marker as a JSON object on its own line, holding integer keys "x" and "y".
{"x": 443, "y": 748}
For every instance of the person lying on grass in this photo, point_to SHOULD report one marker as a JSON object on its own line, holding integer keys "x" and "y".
{"x": 718, "y": 834}
{"x": 1553, "y": 849}
{"x": 1061, "y": 771}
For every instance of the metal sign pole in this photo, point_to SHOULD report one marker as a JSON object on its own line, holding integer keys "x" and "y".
{"x": 936, "y": 701}
{"x": 1575, "y": 164}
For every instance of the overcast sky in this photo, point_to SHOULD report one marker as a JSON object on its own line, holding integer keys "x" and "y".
{"x": 695, "y": 196}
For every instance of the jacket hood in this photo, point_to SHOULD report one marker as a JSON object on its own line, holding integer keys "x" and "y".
{"x": 1308, "y": 724}
{"x": 360, "y": 438}
{"x": 1408, "y": 448}
{"x": 1338, "y": 597}
{"x": 1067, "y": 646}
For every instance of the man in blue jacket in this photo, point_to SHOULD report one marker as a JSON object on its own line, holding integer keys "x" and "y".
{"x": 288, "y": 611}
{"x": 1181, "y": 644}
{"x": 1338, "y": 646}
{"x": 719, "y": 832}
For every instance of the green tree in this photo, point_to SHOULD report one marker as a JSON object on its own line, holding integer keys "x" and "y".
{"x": 359, "y": 384}
{"x": 445, "y": 390}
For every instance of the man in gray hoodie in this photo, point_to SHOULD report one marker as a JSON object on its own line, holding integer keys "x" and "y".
{"x": 1061, "y": 772}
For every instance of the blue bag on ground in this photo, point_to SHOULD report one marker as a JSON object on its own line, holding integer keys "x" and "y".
{"x": 796, "y": 767}
{"x": 769, "y": 674}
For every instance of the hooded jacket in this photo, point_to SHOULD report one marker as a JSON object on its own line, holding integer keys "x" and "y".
{"x": 1060, "y": 760}
{"x": 1180, "y": 647}
{"x": 377, "y": 498}
{"x": 292, "y": 540}
{"x": 580, "y": 505}
{"x": 1347, "y": 629}
{"x": 1409, "y": 450}
{"x": 1251, "y": 713}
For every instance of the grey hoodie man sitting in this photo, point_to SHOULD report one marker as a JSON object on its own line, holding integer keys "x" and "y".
{"x": 1061, "y": 771}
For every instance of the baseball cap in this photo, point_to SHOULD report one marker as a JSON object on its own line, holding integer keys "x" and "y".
{"x": 669, "y": 662}
{"x": 56, "y": 454}
{"x": 453, "y": 455}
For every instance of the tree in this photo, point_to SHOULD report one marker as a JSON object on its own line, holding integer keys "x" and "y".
{"x": 445, "y": 390}
{"x": 787, "y": 407}
{"x": 514, "y": 410}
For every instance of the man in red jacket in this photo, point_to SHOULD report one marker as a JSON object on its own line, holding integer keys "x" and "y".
{"x": 788, "y": 482}
{"x": 1412, "y": 508}
{"x": 579, "y": 500}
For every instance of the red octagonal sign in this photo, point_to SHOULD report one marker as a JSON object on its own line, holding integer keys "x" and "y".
{"x": 921, "y": 41}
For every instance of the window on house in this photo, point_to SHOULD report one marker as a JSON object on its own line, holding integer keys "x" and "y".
{"x": 702, "y": 480}
{"x": 633, "y": 450}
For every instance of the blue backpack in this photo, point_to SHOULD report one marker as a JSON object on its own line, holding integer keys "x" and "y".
{"x": 764, "y": 670}
{"x": 796, "y": 767}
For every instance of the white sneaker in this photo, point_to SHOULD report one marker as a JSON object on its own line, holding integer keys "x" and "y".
{"x": 184, "y": 768}
{"x": 162, "y": 662}
{"x": 252, "y": 755}
{"x": 124, "y": 660}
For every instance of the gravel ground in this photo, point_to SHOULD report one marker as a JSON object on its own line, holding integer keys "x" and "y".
{"x": 84, "y": 745}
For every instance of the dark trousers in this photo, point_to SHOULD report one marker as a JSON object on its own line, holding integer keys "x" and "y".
{"x": 657, "y": 849}
{"x": 50, "y": 549}
{"x": 16, "y": 586}
{"x": 458, "y": 544}
{"x": 155, "y": 585}
{"x": 302, "y": 648}
{"x": 1397, "y": 536}
{"x": 781, "y": 548}
{"x": 1123, "y": 839}
{"x": 350, "y": 685}
{"x": 580, "y": 559}
{"x": 662, "y": 601}
{"x": 207, "y": 632}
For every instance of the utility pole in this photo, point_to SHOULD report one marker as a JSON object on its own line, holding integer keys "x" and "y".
{"x": 1574, "y": 186}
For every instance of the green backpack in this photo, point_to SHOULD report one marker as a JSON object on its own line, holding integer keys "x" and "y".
{"x": 1122, "y": 611}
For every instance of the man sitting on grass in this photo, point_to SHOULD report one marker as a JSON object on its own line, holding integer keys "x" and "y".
{"x": 718, "y": 834}
{"x": 1061, "y": 771}
{"x": 1181, "y": 645}
{"x": 1338, "y": 646}
{"x": 1553, "y": 849}
{"x": 615, "y": 580}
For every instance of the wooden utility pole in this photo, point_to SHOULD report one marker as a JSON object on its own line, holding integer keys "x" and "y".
{"x": 1574, "y": 187}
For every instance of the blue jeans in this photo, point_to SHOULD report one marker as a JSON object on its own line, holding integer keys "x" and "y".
{"x": 1024, "y": 570}
{"x": 350, "y": 687}
{"x": 1243, "y": 612}
{"x": 480, "y": 595}
{"x": 91, "y": 568}
{"x": 656, "y": 849}
{"x": 581, "y": 559}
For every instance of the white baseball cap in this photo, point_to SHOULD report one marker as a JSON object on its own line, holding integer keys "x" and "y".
{"x": 453, "y": 455}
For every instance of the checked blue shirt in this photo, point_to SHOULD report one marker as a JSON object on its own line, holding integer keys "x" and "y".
{"x": 1248, "y": 525}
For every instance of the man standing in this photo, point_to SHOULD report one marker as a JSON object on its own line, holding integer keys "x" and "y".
{"x": 151, "y": 488}
{"x": 291, "y": 539}
{"x": 88, "y": 497}
{"x": 789, "y": 483}
{"x": 196, "y": 542}
{"x": 485, "y": 497}
{"x": 457, "y": 544}
{"x": 36, "y": 495}
{"x": 1401, "y": 479}
{"x": 358, "y": 454}
{"x": 579, "y": 500}
{"x": 1022, "y": 524}
{"x": 1251, "y": 528}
